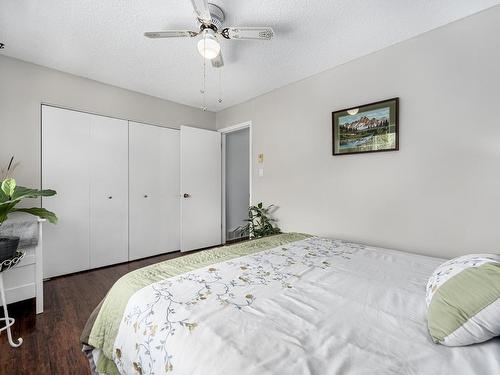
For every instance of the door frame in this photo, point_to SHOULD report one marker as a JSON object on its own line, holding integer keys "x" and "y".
{"x": 224, "y": 132}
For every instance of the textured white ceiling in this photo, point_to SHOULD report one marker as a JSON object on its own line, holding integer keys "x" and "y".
{"x": 102, "y": 40}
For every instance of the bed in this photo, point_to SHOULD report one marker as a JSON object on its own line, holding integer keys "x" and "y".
{"x": 286, "y": 304}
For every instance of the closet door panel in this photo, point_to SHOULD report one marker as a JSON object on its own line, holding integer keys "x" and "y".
{"x": 171, "y": 154}
{"x": 108, "y": 161}
{"x": 154, "y": 190}
{"x": 65, "y": 149}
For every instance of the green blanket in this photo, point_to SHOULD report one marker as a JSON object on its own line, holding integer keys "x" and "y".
{"x": 104, "y": 328}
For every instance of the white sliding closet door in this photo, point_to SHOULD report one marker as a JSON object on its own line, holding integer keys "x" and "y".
{"x": 154, "y": 190}
{"x": 85, "y": 159}
{"x": 108, "y": 162}
{"x": 65, "y": 151}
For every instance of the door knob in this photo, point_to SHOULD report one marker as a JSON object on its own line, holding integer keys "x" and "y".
{"x": 186, "y": 195}
{"x": 145, "y": 195}
{"x": 110, "y": 197}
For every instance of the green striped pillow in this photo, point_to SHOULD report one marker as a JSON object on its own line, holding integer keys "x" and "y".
{"x": 463, "y": 300}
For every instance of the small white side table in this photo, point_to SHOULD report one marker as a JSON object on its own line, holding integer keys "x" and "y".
{"x": 25, "y": 280}
{"x": 4, "y": 267}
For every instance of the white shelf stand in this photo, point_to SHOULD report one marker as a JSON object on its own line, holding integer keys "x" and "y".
{"x": 25, "y": 279}
{"x": 5, "y": 266}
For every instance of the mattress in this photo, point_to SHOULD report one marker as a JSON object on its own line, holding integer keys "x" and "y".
{"x": 287, "y": 304}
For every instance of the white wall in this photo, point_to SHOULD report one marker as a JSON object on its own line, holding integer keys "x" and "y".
{"x": 24, "y": 86}
{"x": 438, "y": 195}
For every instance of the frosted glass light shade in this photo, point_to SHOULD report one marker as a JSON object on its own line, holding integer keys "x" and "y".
{"x": 208, "y": 45}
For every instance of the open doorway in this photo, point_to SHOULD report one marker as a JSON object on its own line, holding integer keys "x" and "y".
{"x": 236, "y": 182}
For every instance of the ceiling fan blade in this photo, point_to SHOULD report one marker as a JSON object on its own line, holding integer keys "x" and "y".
{"x": 170, "y": 34}
{"x": 244, "y": 33}
{"x": 202, "y": 11}
{"x": 218, "y": 62}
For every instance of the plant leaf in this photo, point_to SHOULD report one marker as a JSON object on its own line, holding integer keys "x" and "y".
{"x": 5, "y": 209}
{"x": 40, "y": 212}
{"x": 3, "y": 197}
{"x": 9, "y": 186}
{"x": 22, "y": 192}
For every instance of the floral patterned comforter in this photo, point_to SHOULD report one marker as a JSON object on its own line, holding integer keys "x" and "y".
{"x": 314, "y": 306}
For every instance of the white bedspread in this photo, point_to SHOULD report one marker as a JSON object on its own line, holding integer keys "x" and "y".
{"x": 315, "y": 306}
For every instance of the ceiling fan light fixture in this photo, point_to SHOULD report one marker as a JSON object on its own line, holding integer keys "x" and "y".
{"x": 208, "y": 45}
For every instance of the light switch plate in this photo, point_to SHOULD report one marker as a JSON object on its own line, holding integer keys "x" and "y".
{"x": 261, "y": 172}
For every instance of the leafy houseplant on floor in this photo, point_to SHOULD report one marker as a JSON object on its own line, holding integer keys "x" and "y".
{"x": 260, "y": 223}
{"x": 10, "y": 196}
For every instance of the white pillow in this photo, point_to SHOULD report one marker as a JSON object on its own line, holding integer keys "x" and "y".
{"x": 463, "y": 300}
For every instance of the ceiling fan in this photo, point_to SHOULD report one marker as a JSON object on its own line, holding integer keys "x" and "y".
{"x": 211, "y": 19}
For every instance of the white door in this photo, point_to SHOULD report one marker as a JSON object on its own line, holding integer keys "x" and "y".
{"x": 65, "y": 150}
{"x": 154, "y": 190}
{"x": 200, "y": 188}
{"x": 108, "y": 163}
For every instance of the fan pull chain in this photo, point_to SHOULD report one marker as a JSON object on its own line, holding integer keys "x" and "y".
{"x": 220, "y": 85}
{"x": 203, "y": 91}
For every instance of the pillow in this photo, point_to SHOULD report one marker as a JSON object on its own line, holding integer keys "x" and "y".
{"x": 463, "y": 300}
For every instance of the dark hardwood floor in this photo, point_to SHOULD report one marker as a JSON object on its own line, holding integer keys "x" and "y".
{"x": 52, "y": 339}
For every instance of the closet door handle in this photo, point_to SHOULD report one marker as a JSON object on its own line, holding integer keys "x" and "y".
{"x": 145, "y": 195}
{"x": 186, "y": 195}
{"x": 110, "y": 197}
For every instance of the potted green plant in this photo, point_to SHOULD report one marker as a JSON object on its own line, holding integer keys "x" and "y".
{"x": 259, "y": 222}
{"x": 10, "y": 196}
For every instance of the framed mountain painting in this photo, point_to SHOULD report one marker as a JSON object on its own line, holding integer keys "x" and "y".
{"x": 370, "y": 127}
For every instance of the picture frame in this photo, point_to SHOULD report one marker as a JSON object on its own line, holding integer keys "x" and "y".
{"x": 372, "y": 127}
